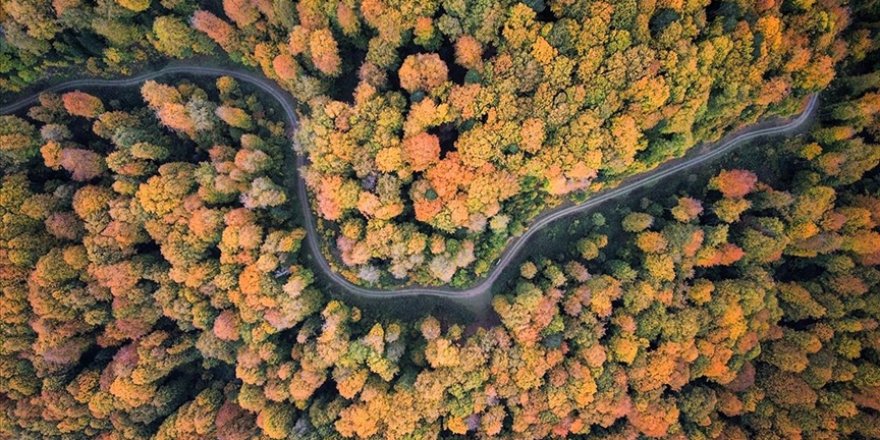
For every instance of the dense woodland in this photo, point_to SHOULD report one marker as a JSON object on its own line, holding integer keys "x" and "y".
{"x": 494, "y": 111}
{"x": 436, "y": 130}
{"x": 152, "y": 284}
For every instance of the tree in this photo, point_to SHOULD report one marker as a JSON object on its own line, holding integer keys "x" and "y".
{"x": 468, "y": 52}
{"x": 158, "y": 95}
{"x": 421, "y": 151}
{"x": 263, "y": 193}
{"x": 275, "y": 420}
{"x": 135, "y": 5}
{"x": 235, "y": 117}
{"x": 82, "y": 104}
{"x": 83, "y": 165}
{"x": 324, "y": 52}
{"x": 729, "y": 210}
{"x": 215, "y": 28}
{"x": 422, "y": 72}
{"x": 528, "y": 313}
{"x": 653, "y": 418}
{"x": 637, "y": 221}
{"x": 19, "y": 140}
{"x": 734, "y": 183}
{"x": 242, "y": 12}
{"x": 687, "y": 209}
{"x": 176, "y": 39}
{"x": 194, "y": 419}
{"x": 651, "y": 242}
{"x": 285, "y": 67}
{"x": 335, "y": 196}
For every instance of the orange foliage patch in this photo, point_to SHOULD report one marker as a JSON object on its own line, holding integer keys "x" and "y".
{"x": 82, "y": 104}
{"x": 422, "y": 72}
{"x": 734, "y": 183}
{"x": 422, "y": 151}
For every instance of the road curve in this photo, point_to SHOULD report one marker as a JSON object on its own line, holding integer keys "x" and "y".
{"x": 515, "y": 244}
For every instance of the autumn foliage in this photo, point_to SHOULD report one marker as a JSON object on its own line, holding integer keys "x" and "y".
{"x": 153, "y": 285}
{"x": 82, "y": 104}
{"x": 421, "y": 151}
{"x": 671, "y": 322}
{"x": 734, "y": 184}
{"x": 214, "y": 27}
{"x": 528, "y": 105}
{"x": 422, "y": 72}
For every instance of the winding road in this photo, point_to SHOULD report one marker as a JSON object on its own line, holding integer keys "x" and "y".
{"x": 706, "y": 153}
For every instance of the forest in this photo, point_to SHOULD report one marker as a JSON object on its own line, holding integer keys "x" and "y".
{"x": 436, "y": 130}
{"x": 153, "y": 278}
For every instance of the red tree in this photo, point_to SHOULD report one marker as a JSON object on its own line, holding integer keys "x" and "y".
{"x": 734, "y": 183}
{"x": 82, "y": 104}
